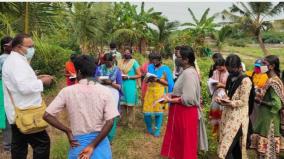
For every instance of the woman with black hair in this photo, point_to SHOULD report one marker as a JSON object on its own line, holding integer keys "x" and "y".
{"x": 109, "y": 75}
{"x": 185, "y": 119}
{"x": 70, "y": 71}
{"x": 266, "y": 139}
{"x": 235, "y": 119}
{"x": 220, "y": 74}
{"x": 159, "y": 84}
{"x": 213, "y": 67}
{"x": 129, "y": 100}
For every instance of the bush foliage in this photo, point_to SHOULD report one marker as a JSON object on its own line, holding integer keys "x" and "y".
{"x": 273, "y": 37}
{"x": 49, "y": 59}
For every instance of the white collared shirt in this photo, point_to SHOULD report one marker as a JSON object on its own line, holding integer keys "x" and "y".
{"x": 21, "y": 80}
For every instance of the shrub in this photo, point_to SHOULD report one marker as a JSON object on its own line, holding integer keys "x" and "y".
{"x": 49, "y": 59}
{"x": 204, "y": 66}
{"x": 139, "y": 57}
{"x": 273, "y": 40}
{"x": 273, "y": 37}
{"x": 237, "y": 42}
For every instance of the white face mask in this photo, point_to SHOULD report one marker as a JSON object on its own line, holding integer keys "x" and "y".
{"x": 30, "y": 53}
{"x": 264, "y": 69}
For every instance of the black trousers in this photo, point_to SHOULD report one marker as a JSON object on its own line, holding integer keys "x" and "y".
{"x": 235, "y": 151}
{"x": 40, "y": 142}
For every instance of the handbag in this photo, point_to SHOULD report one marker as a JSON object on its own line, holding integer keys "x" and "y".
{"x": 30, "y": 120}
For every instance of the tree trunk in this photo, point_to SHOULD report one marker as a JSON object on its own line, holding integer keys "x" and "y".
{"x": 26, "y": 16}
{"x": 143, "y": 45}
{"x": 84, "y": 49}
{"x": 262, "y": 46}
{"x": 102, "y": 47}
{"x": 140, "y": 46}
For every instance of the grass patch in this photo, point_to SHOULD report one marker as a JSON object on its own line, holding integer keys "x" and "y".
{"x": 250, "y": 53}
{"x": 59, "y": 148}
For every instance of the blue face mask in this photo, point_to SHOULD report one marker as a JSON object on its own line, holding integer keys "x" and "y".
{"x": 30, "y": 53}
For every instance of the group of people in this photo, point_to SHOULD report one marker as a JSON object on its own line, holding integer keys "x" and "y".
{"x": 246, "y": 108}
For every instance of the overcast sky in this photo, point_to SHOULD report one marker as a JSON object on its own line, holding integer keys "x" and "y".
{"x": 178, "y": 10}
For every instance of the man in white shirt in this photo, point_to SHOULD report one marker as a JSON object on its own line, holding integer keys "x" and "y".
{"x": 25, "y": 88}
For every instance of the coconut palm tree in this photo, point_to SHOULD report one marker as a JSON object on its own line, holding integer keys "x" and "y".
{"x": 88, "y": 22}
{"x": 28, "y": 17}
{"x": 253, "y": 17}
{"x": 5, "y": 25}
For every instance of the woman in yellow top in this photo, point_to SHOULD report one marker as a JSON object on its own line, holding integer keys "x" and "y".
{"x": 259, "y": 79}
{"x": 160, "y": 83}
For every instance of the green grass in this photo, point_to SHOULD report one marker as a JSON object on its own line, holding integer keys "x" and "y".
{"x": 250, "y": 53}
{"x": 60, "y": 148}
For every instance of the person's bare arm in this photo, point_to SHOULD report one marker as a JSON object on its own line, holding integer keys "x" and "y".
{"x": 58, "y": 125}
{"x": 88, "y": 151}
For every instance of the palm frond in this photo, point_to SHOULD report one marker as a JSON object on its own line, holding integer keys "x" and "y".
{"x": 188, "y": 24}
{"x": 193, "y": 16}
{"x": 5, "y": 25}
{"x": 236, "y": 9}
{"x": 226, "y": 15}
{"x": 204, "y": 16}
{"x": 277, "y": 9}
{"x": 260, "y": 7}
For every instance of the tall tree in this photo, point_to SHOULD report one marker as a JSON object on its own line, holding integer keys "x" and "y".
{"x": 253, "y": 17}
{"x": 124, "y": 24}
{"x": 200, "y": 28}
{"x": 88, "y": 21}
{"x": 132, "y": 26}
{"x": 144, "y": 19}
{"x": 5, "y": 25}
{"x": 28, "y": 17}
{"x": 221, "y": 35}
{"x": 161, "y": 36}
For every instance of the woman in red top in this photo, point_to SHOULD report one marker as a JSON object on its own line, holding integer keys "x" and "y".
{"x": 70, "y": 72}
